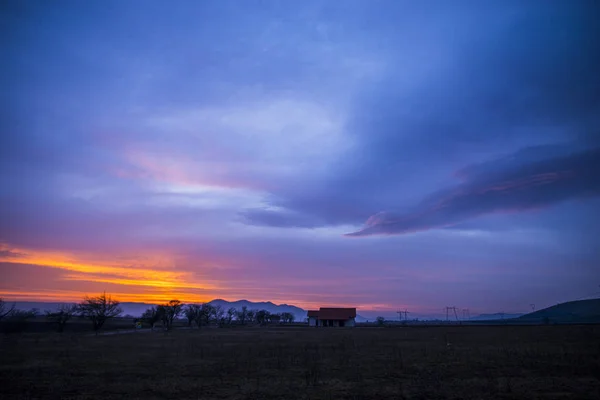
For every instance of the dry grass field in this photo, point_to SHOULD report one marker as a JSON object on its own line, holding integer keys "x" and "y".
{"x": 451, "y": 362}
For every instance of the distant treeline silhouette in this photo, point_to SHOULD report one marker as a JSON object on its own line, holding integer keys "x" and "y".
{"x": 208, "y": 314}
{"x": 99, "y": 309}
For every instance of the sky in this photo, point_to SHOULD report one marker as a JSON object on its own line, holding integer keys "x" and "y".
{"x": 383, "y": 155}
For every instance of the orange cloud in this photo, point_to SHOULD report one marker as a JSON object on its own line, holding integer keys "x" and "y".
{"x": 92, "y": 269}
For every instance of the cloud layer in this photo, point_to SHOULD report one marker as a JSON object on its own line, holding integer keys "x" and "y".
{"x": 236, "y": 143}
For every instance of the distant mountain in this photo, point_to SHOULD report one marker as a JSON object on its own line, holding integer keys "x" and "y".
{"x": 298, "y": 312}
{"x": 494, "y": 317}
{"x": 579, "y": 311}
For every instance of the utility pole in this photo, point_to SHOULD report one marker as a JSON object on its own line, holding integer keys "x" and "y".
{"x": 532, "y": 307}
{"x": 399, "y": 315}
{"x": 448, "y": 312}
{"x": 466, "y": 314}
{"x": 406, "y": 315}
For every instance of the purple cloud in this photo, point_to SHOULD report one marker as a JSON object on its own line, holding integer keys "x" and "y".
{"x": 526, "y": 187}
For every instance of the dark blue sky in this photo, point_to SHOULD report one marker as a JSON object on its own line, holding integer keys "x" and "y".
{"x": 380, "y": 154}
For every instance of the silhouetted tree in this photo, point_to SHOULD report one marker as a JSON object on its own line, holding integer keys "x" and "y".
{"x": 232, "y": 312}
{"x": 191, "y": 312}
{"x": 152, "y": 316}
{"x": 218, "y": 315}
{"x": 276, "y": 317}
{"x": 204, "y": 314}
{"x": 288, "y": 317}
{"x": 251, "y": 315}
{"x": 5, "y": 309}
{"x": 242, "y": 315}
{"x": 169, "y": 312}
{"x": 99, "y": 309}
{"x": 380, "y": 320}
{"x": 60, "y": 317}
{"x": 262, "y": 316}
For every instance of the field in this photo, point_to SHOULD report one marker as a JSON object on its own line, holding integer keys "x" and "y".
{"x": 454, "y": 362}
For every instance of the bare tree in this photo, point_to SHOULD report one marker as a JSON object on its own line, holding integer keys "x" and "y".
{"x": 262, "y": 316}
{"x": 99, "y": 309}
{"x": 152, "y": 316}
{"x": 170, "y": 311}
{"x": 191, "y": 312}
{"x": 288, "y": 317}
{"x": 274, "y": 318}
{"x": 5, "y": 309}
{"x": 231, "y": 313}
{"x": 251, "y": 315}
{"x": 242, "y": 315}
{"x": 62, "y": 316}
{"x": 218, "y": 315}
{"x": 205, "y": 314}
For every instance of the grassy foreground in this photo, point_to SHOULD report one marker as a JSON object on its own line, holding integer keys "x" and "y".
{"x": 470, "y": 362}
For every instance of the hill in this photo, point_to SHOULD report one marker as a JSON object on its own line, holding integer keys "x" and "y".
{"x": 571, "y": 312}
{"x": 298, "y": 312}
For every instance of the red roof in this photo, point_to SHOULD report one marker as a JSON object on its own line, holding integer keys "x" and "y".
{"x": 313, "y": 313}
{"x": 337, "y": 313}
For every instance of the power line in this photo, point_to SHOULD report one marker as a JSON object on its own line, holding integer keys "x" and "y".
{"x": 405, "y": 312}
{"x": 453, "y": 309}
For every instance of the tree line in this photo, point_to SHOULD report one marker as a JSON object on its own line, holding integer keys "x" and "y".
{"x": 98, "y": 309}
{"x": 209, "y": 314}
{"x": 101, "y": 308}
